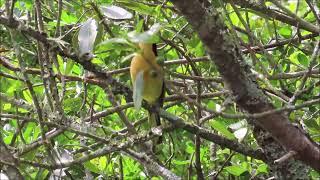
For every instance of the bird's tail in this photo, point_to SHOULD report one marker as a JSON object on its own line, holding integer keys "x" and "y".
{"x": 154, "y": 121}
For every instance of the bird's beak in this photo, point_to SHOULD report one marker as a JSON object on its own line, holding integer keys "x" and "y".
{"x": 138, "y": 90}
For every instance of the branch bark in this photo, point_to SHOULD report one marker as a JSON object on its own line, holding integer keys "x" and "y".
{"x": 268, "y": 12}
{"x": 11, "y": 163}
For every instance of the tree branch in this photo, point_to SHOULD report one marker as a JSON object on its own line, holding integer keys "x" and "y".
{"x": 227, "y": 57}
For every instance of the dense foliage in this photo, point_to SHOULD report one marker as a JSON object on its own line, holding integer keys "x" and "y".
{"x": 66, "y": 100}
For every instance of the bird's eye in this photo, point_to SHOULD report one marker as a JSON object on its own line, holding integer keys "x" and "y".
{"x": 153, "y": 74}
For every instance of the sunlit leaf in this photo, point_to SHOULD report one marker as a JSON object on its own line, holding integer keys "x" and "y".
{"x": 285, "y": 31}
{"x": 91, "y": 167}
{"x": 115, "y": 43}
{"x": 115, "y": 12}
{"x": 263, "y": 168}
{"x": 68, "y": 67}
{"x": 190, "y": 148}
{"x": 87, "y": 36}
{"x": 181, "y": 162}
{"x": 293, "y": 58}
{"x": 27, "y": 96}
{"x": 29, "y": 131}
{"x": 235, "y": 170}
{"x": 238, "y": 125}
{"x": 149, "y": 36}
{"x": 139, "y": 25}
{"x": 240, "y": 133}
{"x": 68, "y": 18}
{"x": 222, "y": 128}
{"x": 102, "y": 162}
{"x": 3, "y": 176}
{"x": 6, "y": 106}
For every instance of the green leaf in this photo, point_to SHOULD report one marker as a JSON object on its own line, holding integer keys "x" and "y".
{"x": 235, "y": 170}
{"x": 6, "y": 106}
{"x": 91, "y": 167}
{"x": 102, "y": 162}
{"x": 190, "y": 148}
{"x": 303, "y": 59}
{"x": 293, "y": 58}
{"x": 285, "y": 31}
{"x": 234, "y": 18}
{"x": 262, "y": 168}
{"x": 180, "y": 69}
{"x": 199, "y": 49}
{"x": 222, "y": 128}
{"x": 211, "y": 104}
{"x": 27, "y": 134}
{"x": 178, "y": 162}
{"x": 36, "y": 133}
{"x": 27, "y": 96}
{"x": 114, "y": 43}
{"x": 23, "y": 5}
{"x": 68, "y": 67}
{"x": 8, "y": 138}
{"x": 12, "y": 88}
{"x": 72, "y": 104}
{"x": 286, "y": 67}
{"x": 98, "y": 61}
{"x": 314, "y": 174}
{"x": 68, "y": 18}
{"x": 138, "y": 7}
{"x": 139, "y": 26}
{"x": 41, "y": 174}
{"x": 312, "y": 124}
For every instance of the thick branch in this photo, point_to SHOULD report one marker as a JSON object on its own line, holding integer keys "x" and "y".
{"x": 11, "y": 163}
{"x": 268, "y": 12}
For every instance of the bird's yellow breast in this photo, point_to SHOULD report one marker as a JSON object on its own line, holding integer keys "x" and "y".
{"x": 152, "y": 77}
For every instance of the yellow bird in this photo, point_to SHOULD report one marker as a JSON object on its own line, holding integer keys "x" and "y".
{"x": 147, "y": 79}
